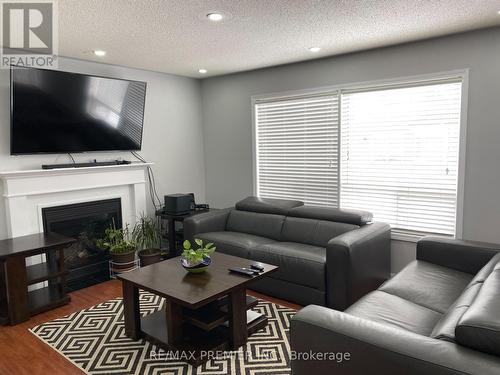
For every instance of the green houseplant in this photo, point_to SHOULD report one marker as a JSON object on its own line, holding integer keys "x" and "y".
{"x": 146, "y": 236}
{"x": 121, "y": 248}
{"x": 197, "y": 260}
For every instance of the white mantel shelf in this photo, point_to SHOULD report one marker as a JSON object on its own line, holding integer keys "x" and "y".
{"x": 27, "y": 192}
{"x": 66, "y": 171}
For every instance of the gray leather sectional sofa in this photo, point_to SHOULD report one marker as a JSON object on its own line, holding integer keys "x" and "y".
{"x": 326, "y": 256}
{"x": 440, "y": 315}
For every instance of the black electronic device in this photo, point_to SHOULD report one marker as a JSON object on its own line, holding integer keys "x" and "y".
{"x": 85, "y": 165}
{"x": 243, "y": 271}
{"x": 201, "y": 207}
{"x": 198, "y": 207}
{"x": 257, "y": 266}
{"x": 62, "y": 112}
{"x": 178, "y": 204}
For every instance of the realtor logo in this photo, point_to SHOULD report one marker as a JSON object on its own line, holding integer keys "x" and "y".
{"x": 29, "y": 33}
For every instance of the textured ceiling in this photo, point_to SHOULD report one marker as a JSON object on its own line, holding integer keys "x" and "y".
{"x": 175, "y": 36}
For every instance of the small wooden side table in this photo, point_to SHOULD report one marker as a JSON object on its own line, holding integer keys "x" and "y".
{"x": 17, "y": 304}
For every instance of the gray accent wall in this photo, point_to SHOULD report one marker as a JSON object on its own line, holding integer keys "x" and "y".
{"x": 172, "y": 139}
{"x": 227, "y": 117}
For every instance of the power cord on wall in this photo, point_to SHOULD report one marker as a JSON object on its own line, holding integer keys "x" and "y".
{"x": 153, "y": 194}
{"x": 72, "y": 158}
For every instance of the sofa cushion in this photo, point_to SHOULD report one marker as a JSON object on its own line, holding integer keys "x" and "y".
{"x": 264, "y": 225}
{"x": 445, "y": 328}
{"x": 298, "y": 263}
{"x": 482, "y": 275}
{"x": 479, "y": 327}
{"x": 395, "y": 311}
{"x": 428, "y": 285}
{"x": 267, "y": 205}
{"x": 355, "y": 217}
{"x": 313, "y": 232}
{"x": 234, "y": 243}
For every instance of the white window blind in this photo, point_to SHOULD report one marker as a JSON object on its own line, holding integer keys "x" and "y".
{"x": 297, "y": 149}
{"x": 399, "y": 155}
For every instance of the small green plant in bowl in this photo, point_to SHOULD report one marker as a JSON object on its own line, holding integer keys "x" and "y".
{"x": 197, "y": 260}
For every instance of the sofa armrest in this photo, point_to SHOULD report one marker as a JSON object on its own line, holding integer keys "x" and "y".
{"x": 212, "y": 221}
{"x": 357, "y": 262}
{"x": 465, "y": 256}
{"x": 360, "y": 346}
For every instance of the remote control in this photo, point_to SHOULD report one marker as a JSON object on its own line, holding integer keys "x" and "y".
{"x": 242, "y": 271}
{"x": 257, "y": 266}
{"x": 255, "y": 272}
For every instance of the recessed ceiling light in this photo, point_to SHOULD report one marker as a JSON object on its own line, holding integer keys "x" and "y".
{"x": 314, "y": 49}
{"x": 99, "y": 53}
{"x": 498, "y": 12}
{"x": 202, "y": 71}
{"x": 215, "y": 17}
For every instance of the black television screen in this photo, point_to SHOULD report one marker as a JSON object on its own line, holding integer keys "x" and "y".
{"x": 62, "y": 112}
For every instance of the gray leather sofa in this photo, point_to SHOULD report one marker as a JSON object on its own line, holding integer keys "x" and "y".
{"x": 326, "y": 256}
{"x": 440, "y": 315}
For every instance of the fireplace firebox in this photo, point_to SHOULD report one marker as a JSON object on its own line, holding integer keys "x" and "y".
{"x": 86, "y": 263}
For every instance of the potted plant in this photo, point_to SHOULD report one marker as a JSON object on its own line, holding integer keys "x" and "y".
{"x": 121, "y": 248}
{"x": 196, "y": 260}
{"x": 147, "y": 239}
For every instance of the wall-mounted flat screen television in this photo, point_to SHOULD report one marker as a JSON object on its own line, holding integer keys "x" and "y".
{"x": 61, "y": 112}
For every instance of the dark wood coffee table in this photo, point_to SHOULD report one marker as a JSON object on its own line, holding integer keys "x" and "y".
{"x": 191, "y": 324}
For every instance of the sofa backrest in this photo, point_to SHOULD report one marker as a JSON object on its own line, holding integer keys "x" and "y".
{"x": 474, "y": 319}
{"x": 290, "y": 220}
{"x": 260, "y": 216}
{"x": 267, "y": 205}
{"x": 355, "y": 217}
{"x": 312, "y": 231}
{"x": 264, "y": 225}
{"x": 317, "y": 225}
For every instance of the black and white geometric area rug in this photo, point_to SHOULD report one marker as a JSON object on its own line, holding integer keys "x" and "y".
{"x": 94, "y": 340}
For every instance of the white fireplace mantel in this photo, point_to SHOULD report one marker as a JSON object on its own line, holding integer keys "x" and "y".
{"x": 27, "y": 192}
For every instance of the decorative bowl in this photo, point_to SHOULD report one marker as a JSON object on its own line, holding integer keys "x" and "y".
{"x": 198, "y": 267}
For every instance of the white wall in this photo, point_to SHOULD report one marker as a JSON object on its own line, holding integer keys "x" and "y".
{"x": 173, "y": 134}
{"x": 228, "y": 122}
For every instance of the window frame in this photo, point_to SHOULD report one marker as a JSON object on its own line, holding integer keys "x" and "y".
{"x": 405, "y": 81}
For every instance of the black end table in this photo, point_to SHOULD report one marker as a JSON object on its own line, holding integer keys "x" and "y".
{"x": 172, "y": 235}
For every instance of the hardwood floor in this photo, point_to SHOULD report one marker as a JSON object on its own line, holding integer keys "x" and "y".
{"x": 23, "y": 353}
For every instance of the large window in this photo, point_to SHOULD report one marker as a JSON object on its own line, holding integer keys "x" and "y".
{"x": 396, "y": 156}
{"x": 297, "y": 149}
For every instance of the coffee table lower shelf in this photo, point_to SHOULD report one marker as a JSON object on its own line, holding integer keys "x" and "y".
{"x": 197, "y": 344}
